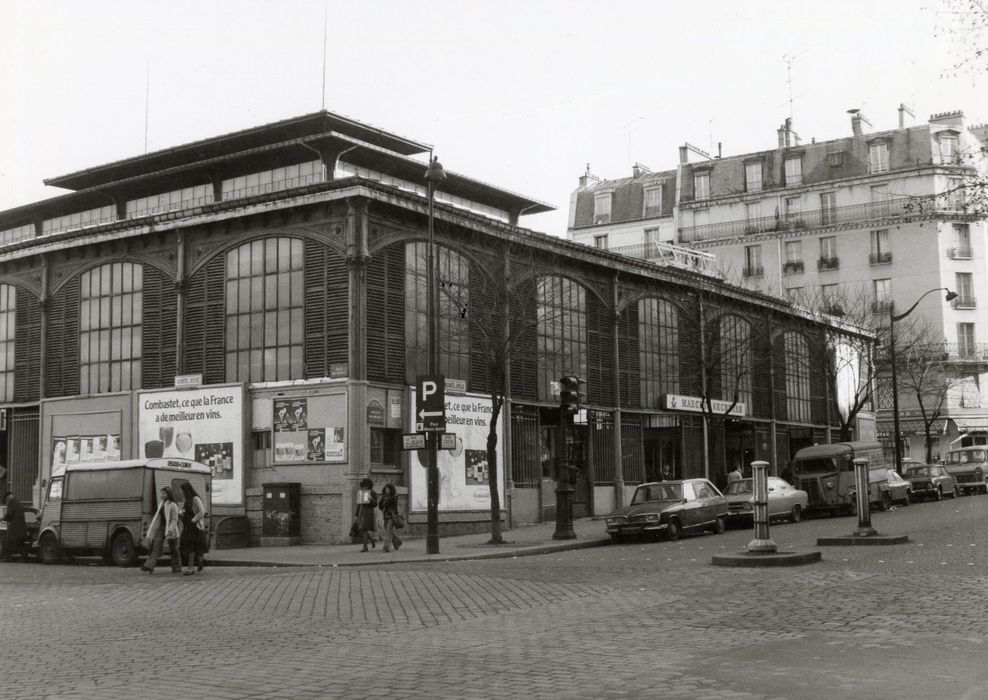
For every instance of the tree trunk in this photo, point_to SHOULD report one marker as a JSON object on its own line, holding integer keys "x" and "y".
{"x": 493, "y": 475}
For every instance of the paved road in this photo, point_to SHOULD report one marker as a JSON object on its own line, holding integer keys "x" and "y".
{"x": 643, "y": 619}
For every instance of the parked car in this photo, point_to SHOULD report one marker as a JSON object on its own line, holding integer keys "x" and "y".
{"x": 784, "y": 501}
{"x": 30, "y": 521}
{"x": 900, "y": 491}
{"x": 932, "y": 481}
{"x": 672, "y": 507}
{"x": 969, "y": 465}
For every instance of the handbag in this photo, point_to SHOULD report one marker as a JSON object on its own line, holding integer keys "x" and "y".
{"x": 399, "y": 521}
{"x": 354, "y": 530}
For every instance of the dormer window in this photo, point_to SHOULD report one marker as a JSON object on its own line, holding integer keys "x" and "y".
{"x": 653, "y": 202}
{"x": 878, "y": 157}
{"x": 602, "y": 208}
{"x": 949, "y": 153}
{"x": 753, "y": 177}
{"x": 701, "y": 185}
{"x": 794, "y": 171}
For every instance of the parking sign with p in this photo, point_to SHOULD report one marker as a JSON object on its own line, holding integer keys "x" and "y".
{"x": 430, "y": 403}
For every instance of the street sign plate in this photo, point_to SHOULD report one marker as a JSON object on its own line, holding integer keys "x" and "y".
{"x": 430, "y": 403}
{"x": 413, "y": 441}
{"x": 447, "y": 441}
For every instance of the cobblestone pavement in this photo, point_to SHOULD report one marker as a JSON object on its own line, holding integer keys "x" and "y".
{"x": 643, "y": 619}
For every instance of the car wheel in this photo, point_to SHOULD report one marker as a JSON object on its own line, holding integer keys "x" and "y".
{"x": 939, "y": 494}
{"x": 672, "y": 530}
{"x": 48, "y": 550}
{"x": 796, "y": 515}
{"x": 719, "y": 525}
{"x": 886, "y": 501}
{"x": 122, "y": 550}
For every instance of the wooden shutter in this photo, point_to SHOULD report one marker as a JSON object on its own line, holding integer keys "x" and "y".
{"x": 205, "y": 322}
{"x": 689, "y": 351}
{"x": 158, "y": 329}
{"x": 386, "y": 315}
{"x": 524, "y": 341}
{"x": 27, "y": 339}
{"x": 629, "y": 358}
{"x": 819, "y": 376}
{"x": 486, "y": 319}
{"x": 327, "y": 306}
{"x": 600, "y": 355}
{"x": 63, "y": 341}
{"x": 767, "y": 356}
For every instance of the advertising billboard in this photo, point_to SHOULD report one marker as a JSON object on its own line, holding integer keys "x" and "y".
{"x": 205, "y": 424}
{"x": 464, "y": 476}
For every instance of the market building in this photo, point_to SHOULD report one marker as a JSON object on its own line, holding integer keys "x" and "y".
{"x": 256, "y": 301}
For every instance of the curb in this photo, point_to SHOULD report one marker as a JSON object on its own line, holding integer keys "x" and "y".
{"x": 534, "y": 550}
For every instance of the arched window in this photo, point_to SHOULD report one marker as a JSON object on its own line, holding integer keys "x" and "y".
{"x": 797, "y": 356}
{"x": 562, "y": 332}
{"x": 265, "y": 301}
{"x": 735, "y": 359}
{"x": 658, "y": 349}
{"x": 8, "y": 314}
{"x": 453, "y": 278}
{"x": 110, "y": 324}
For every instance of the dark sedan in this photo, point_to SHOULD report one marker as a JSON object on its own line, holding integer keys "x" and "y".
{"x": 932, "y": 481}
{"x": 672, "y": 507}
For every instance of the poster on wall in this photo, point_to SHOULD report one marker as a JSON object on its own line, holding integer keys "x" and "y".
{"x": 82, "y": 449}
{"x": 205, "y": 425}
{"x": 300, "y": 437}
{"x": 464, "y": 474}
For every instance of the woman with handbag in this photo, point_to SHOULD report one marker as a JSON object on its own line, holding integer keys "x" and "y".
{"x": 392, "y": 518}
{"x": 193, "y": 531}
{"x": 364, "y": 518}
{"x": 164, "y": 528}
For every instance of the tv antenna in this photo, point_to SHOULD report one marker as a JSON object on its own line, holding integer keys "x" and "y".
{"x": 790, "y": 58}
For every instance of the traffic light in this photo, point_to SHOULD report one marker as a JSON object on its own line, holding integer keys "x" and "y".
{"x": 569, "y": 394}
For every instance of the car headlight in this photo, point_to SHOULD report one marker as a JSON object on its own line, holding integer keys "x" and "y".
{"x": 652, "y": 517}
{"x": 612, "y": 521}
{"x": 748, "y": 506}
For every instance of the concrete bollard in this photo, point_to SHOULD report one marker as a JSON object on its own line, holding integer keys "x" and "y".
{"x": 862, "y": 498}
{"x": 762, "y": 541}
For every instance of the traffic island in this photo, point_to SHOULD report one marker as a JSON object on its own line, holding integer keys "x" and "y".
{"x": 856, "y": 539}
{"x": 865, "y": 492}
{"x": 753, "y": 559}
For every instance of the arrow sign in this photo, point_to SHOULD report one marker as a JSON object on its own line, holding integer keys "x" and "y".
{"x": 430, "y": 403}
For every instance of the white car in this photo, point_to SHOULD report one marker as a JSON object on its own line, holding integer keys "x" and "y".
{"x": 784, "y": 500}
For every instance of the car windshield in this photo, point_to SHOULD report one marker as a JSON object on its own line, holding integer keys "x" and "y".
{"x": 919, "y": 471}
{"x": 742, "y": 486}
{"x": 657, "y": 492}
{"x": 965, "y": 457}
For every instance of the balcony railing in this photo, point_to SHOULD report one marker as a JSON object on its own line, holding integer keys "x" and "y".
{"x": 753, "y": 271}
{"x": 673, "y": 256}
{"x": 964, "y": 302}
{"x": 961, "y": 352}
{"x": 792, "y": 267}
{"x": 831, "y": 216}
{"x": 828, "y": 264}
{"x": 882, "y": 307}
{"x": 880, "y": 258}
{"x": 960, "y": 253}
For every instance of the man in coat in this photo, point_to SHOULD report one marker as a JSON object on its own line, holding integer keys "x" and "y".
{"x": 16, "y": 529}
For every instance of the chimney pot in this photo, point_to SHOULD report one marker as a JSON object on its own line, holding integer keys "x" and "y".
{"x": 684, "y": 157}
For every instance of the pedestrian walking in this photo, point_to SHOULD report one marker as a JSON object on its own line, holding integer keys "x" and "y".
{"x": 366, "y": 507}
{"x": 734, "y": 475}
{"x": 389, "y": 506}
{"x": 193, "y": 531}
{"x": 164, "y": 527}
{"x": 15, "y": 540}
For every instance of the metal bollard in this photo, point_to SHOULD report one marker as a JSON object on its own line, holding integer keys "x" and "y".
{"x": 862, "y": 499}
{"x": 762, "y": 541}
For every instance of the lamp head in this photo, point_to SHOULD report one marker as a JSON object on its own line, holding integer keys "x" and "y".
{"x": 951, "y": 295}
{"x": 435, "y": 175}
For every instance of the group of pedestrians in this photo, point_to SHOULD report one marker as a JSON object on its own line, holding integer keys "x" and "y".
{"x": 365, "y": 516}
{"x": 183, "y": 529}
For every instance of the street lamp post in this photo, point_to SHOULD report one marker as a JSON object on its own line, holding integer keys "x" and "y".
{"x": 434, "y": 176}
{"x": 893, "y": 318}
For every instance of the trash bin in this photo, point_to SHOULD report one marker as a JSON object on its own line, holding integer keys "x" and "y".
{"x": 282, "y": 515}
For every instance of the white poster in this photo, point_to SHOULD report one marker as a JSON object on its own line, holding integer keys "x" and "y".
{"x": 205, "y": 425}
{"x": 464, "y": 476}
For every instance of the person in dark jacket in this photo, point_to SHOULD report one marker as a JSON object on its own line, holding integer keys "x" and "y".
{"x": 366, "y": 520}
{"x": 389, "y": 506}
{"x": 16, "y": 535}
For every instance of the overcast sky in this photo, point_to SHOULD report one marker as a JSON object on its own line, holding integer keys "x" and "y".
{"x": 518, "y": 94}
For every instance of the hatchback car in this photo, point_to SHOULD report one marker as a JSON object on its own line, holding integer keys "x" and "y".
{"x": 932, "y": 481}
{"x": 670, "y": 507}
{"x": 784, "y": 501}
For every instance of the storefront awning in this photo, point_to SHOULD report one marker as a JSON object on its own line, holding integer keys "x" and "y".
{"x": 911, "y": 427}
{"x": 973, "y": 424}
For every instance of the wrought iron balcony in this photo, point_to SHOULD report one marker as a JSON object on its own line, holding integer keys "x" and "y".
{"x": 964, "y": 302}
{"x": 855, "y": 213}
{"x": 882, "y": 307}
{"x": 962, "y": 352}
{"x": 880, "y": 258}
{"x": 828, "y": 264}
{"x": 753, "y": 271}
{"x": 673, "y": 256}
{"x": 960, "y": 253}
{"x": 792, "y": 267}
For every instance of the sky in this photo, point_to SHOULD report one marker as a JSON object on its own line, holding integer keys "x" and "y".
{"x": 521, "y": 94}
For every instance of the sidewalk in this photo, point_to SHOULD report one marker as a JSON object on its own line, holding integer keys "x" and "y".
{"x": 519, "y": 542}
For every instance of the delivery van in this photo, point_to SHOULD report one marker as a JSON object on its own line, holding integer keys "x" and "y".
{"x": 826, "y": 473}
{"x": 104, "y": 508}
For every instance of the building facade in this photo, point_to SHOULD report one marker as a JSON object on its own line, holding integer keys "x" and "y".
{"x": 873, "y": 219}
{"x": 257, "y": 301}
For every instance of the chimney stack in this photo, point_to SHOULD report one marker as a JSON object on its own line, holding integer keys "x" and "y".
{"x": 636, "y": 172}
{"x": 585, "y": 177}
{"x": 782, "y": 136}
{"x": 684, "y": 157}
{"x": 857, "y": 119}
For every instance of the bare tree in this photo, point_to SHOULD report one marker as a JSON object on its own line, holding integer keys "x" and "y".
{"x": 964, "y": 24}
